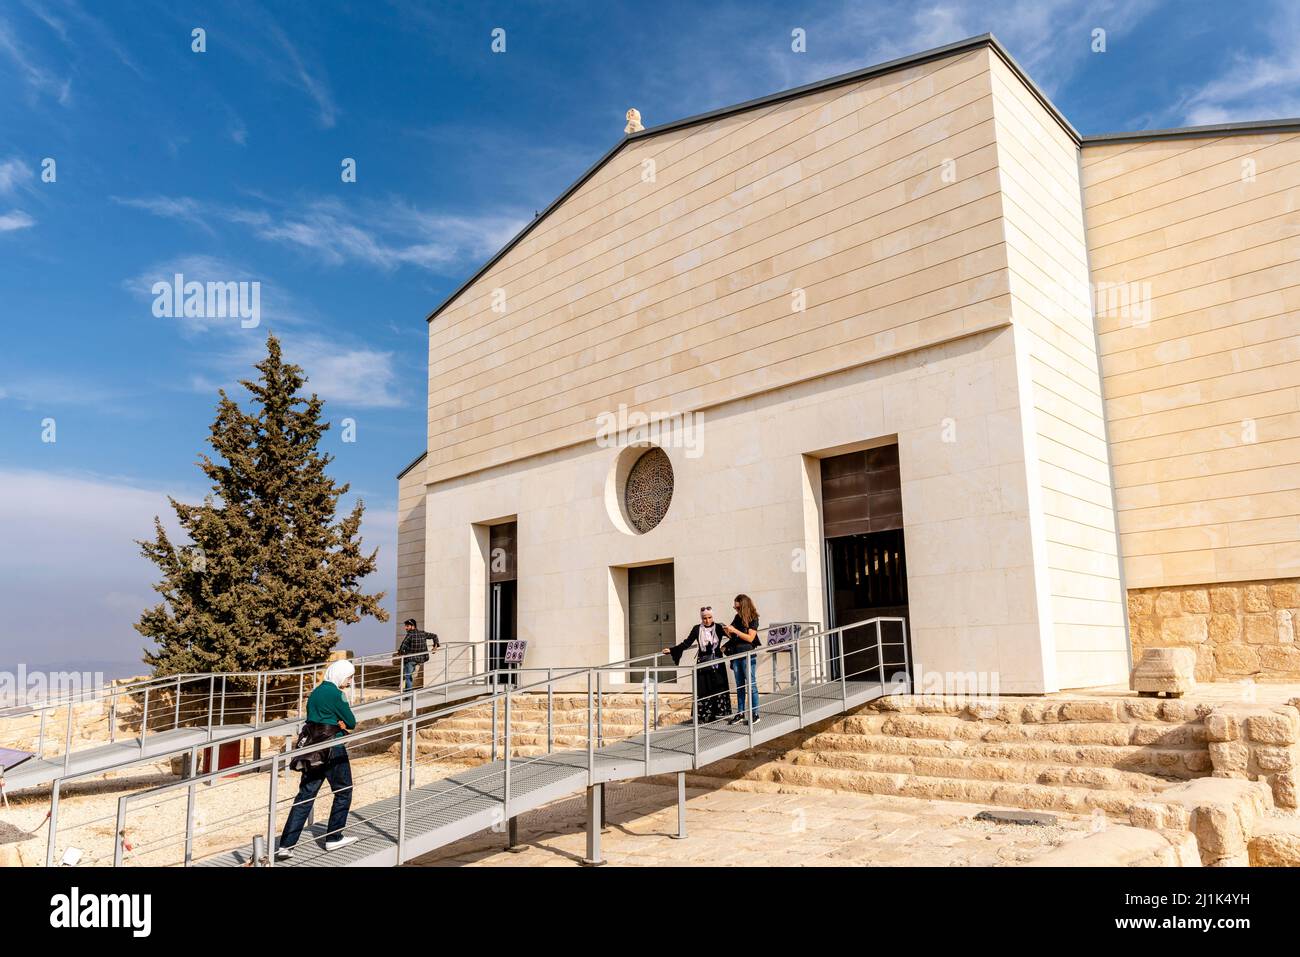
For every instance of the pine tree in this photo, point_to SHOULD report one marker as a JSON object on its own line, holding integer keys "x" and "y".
{"x": 269, "y": 573}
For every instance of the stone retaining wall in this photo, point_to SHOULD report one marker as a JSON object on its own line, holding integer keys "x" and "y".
{"x": 1238, "y": 630}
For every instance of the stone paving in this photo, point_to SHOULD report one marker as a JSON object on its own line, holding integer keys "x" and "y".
{"x": 745, "y": 828}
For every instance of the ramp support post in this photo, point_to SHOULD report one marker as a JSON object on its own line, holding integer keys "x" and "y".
{"x": 681, "y": 806}
{"x": 512, "y": 836}
{"x": 595, "y": 816}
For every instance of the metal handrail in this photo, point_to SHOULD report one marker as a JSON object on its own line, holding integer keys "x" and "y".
{"x": 113, "y": 689}
{"x": 261, "y": 695}
{"x": 504, "y": 697}
{"x": 400, "y": 697}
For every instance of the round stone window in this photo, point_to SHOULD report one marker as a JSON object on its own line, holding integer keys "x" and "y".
{"x": 648, "y": 491}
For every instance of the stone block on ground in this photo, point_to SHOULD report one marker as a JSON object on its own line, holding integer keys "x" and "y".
{"x": 1121, "y": 846}
{"x": 1223, "y": 814}
{"x": 1170, "y": 671}
{"x": 1276, "y": 843}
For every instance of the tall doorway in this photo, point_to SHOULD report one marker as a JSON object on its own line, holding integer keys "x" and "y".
{"x": 503, "y": 578}
{"x": 866, "y": 563}
{"x": 651, "y": 624}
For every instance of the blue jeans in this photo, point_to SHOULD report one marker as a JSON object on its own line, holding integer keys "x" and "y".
{"x": 338, "y": 772}
{"x": 746, "y": 672}
{"x": 408, "y": 673}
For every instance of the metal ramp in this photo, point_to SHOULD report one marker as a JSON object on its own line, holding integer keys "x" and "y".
{"x": 416, "y": 819}
{"x": 212, "y": 715}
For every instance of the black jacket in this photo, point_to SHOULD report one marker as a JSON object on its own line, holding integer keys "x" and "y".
{"x": 694, "y": 639}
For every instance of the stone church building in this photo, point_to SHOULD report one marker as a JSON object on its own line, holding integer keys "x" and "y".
{"x": 901, "y": 342}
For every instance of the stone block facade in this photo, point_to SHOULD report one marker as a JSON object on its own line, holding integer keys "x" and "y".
{"x": 1238, "y": 630}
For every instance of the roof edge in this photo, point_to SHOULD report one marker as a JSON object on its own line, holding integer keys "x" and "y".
{"x": 418, "y": 459}
{"x": 854, "y": 76}
{"x": 1186, "y": 132}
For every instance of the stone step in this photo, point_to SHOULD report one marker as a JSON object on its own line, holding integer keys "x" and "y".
{"x": 948, "y": 727}
{"x": 1041, "y": 710}
{"x": 974, "y": 769}
{"x": 1031, "y": 796}
{"x": 1170, "y": 762}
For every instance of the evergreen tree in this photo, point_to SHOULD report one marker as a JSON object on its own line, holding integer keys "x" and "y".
{"x": 269, "y": 573}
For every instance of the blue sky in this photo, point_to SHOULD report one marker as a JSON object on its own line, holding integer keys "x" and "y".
{"x": 225, "y": 165}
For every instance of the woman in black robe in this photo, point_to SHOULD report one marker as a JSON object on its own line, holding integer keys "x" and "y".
{"x": 713, "y": 700}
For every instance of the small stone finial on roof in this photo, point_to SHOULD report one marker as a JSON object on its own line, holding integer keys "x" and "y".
{"x": 633, "y": 121}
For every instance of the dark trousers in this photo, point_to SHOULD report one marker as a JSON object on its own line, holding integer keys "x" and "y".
{"x": 338, "y": 772}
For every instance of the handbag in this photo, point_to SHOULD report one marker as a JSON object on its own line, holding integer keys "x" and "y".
{"x": 313, "y": 732}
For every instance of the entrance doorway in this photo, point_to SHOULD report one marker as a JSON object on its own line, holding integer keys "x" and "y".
{"x": 651, "y": 615}
{"x": 866, "y": 563}
{"x": 503, "y": 603}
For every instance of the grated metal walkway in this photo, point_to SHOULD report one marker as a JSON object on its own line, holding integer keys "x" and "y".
{"x": 455, "y": 807}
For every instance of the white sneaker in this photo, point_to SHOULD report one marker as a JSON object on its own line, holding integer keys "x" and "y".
{"x": 334, "y": 843}
{"x": 284, "y": 854}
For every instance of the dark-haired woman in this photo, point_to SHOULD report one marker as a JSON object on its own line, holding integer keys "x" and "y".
{"x": 744, "y": 637}
{"x": 712, "y": 699}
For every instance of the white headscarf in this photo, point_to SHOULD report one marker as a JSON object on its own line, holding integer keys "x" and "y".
{"x": 339, "y": 673}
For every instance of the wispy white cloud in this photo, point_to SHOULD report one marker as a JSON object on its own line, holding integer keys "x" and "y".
{"x": 13, "y": 173}
{"x": 1049, "y": 38}
{"x": 52, "y": 390}
{"x": 310, "y": 79}
{"x": 347, "y": 375}
{"x": 385, "y": 235}
{"x": 1258, "y": 86}
{"x": 40, "y": 82}
{"x": 15, "y": 219}
{"x": 339, "y": 368}
{"x": 167, "y": 207}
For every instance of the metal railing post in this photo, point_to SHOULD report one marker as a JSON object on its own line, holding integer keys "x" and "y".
{"x": 270, "y": 814}
{"x": 119, "y": 831}
{"x": 112, "y": 718}
{"x": 907, "y": 659}
{"x": 144, "y": 721}
{"x": 591, "y": 741}
{"x": 550, "y": 710}
{"x": 844, "y": 685}
{"x": 222, "y": 722}
{"x": 695, "y": 713}
{"x": 177, "y": 718}
{"x": 797, "y": 676}
{"x": 495, "y": 699}
{"x": 189, "y": 809}
{"x": 656, "y": 690}
{"x": 67, "y": 740}
{"x": 212, "y": 687}
{"x": 880, "y": 655}
{"x": 40, "y": 741}
{"x": 600, "y": 718}
{"x": 302, "y": 679}
{"x": 645, "y": 717}
{"x": 401, "y": 793}
{"x": 751, "y": 678}
{"x": 505, "y": 790}
{"x": 54, "y": 821}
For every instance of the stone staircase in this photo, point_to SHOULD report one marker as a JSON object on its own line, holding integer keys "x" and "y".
{"x": 1076, "y": 755}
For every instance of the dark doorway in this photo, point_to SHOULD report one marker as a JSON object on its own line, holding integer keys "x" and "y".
{"x": 866, "y": 565}
{"x": 650, "y": 612}
{"x": 503, "y": 596}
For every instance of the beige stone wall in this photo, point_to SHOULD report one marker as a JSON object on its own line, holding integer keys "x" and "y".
{"x": 740, "y": 521}
{"x": 1203, "y": 400}
{"x": 1238, "y": 629}
{"x": 411, "y": 497}
{"x": 1038, "y": 164}
{"x": 674, "y": 292}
